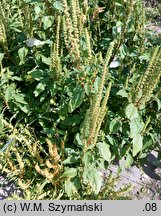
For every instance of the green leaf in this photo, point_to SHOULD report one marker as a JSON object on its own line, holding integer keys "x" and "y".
{"x": 22, "y": 53}
{"x": 77, "y": 99}
{"x": 159, "y": 103}
{"x": 131, "y": 112}
{"x": 122, "y": 163}
{"x": 1, "y": 57}
{"x": 10, "y": 91}
{"x": 8, "y": 94}
{"x": 123, "y": 51}
{"x": 92, "y": 177}
{"x": 129, "y": 160}
{"x": 130, "y": 26}
{"x": 87, "y": 158}
{"x": 147, "y": 142}
{"x": 39, "y": 88}
{"x": 70, "y": 188}
{"x": 37, "y": 10}
{"x": 145, "y": 57}
{"x": 122, "y": 93}
{"x": 137, "y": 144}
{"x": 110, "y": 139}
{"x": 19, "y": 98}
{"x": 104, "y": 150}
{"x": 70, "y": 173}
{"x": 87, "y": 88}
{"x": 71, "y": 159}
{"x": 36, "y": 74}
{"x": 16, "y": 78}
{"x": 115, "y": 125}
{"x": 47, "y": 21}
{"x": 96, "y": 181}
{"x": 1, "y": 123}
{"x": 136, "y": 126}
{"x": 72, "y": 156}
{"x": 23, "y": 107}
{"x": 46, "y": 60}
{"x": 78, "y": 140}
{"x": 58, "y": 6}
{"x": 72, "y": 120}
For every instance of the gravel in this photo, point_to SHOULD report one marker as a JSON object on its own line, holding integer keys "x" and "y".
{"x": 8, "y": 188}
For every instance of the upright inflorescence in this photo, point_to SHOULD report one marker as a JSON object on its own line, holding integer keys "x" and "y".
{"x": 3, "y": 27}
{"x": 3, "y": 38}
{"x": 55, "y": 66}
{"x": 71, "y": 28}
{"x": 25, "y": 17}
{"x": 102, "y": 113}
{"x": 88, "y": 44}
{"x": 149, "y": 80}
{"x": 97, "y": 109}
{"x": 75, "y": 19}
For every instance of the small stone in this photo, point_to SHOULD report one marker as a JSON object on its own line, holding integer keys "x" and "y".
{"x": 3, "y": 193}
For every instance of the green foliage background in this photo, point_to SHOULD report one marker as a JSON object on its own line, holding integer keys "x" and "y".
{"x": 88, "y": 95}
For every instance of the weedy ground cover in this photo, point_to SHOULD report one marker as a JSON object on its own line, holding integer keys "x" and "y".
{"x": 80, "y": 88}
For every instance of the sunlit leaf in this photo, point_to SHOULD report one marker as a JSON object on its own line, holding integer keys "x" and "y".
{"x": 122, "y": 93}
{"x": 92, "y": 177}
{"x": 104, "y": 150}
{"x": 136, "y": 126}
{"x": 58, "y": 5}
{"x": 19, "y": 98}
{"x": 115, "y": 125}
{"x": 1, "y": 123}
{"x": 70, "y": 173}
{"x": 39, "y": 88}
{"x": 137, "y": 144}
{"x": 47, "y": 21}
{"x": 77, "y": 98}
{"x": 70, "y": 188}
{"x": 22, "y": 52}
{"x": 131, "y": 112}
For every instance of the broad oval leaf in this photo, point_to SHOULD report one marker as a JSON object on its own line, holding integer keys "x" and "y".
{"x": 1, "y": 123}
{"x": 131, "y": 112}
{"x": 137, "y": 144}
{"x": 47, "y": 21}
{"x": 39, "y": 88}
{"x": 70, "y": 173}
{"x": 70, "y": 188}
{"x": 115, "y": 125}
{"x": 58, "y": 6}
{"x": 159, "y": 103}
{"x": 19, "y": 98}
{"x": 136, "y": 126}
{"x": 96, "y": 181}
{"x": 46, "y": 60}
{"x": 122, "y": 93}
{"x": 36, "y": 74}
{"x": 22, "y": 53}
{"x": 1, "y": 57}
{"x": 104, "y": 151}
{"x": 93, "y": 178}
{"x": 129, "y": 160}
{"x": 78, "y": 140}
{"x": 77, "y": 99}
